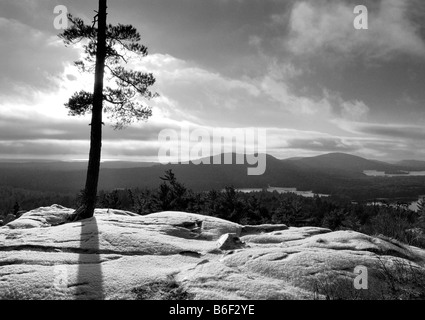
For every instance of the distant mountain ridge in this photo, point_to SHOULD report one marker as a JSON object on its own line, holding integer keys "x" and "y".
{"x": 414, "y": 164}
{"x": 343, "y": 161}
{"x": 336, "y": 173}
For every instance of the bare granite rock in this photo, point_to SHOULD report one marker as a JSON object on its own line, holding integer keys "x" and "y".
{"x": 116, "y": 252}
{"x": 229, "y": 241}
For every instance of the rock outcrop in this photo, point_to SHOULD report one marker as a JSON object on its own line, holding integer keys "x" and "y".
{"x": 229, "y": 241}
{"x": 116, "y": 254}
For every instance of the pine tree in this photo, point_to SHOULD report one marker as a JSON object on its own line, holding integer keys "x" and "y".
{"x": 16, "y": 208}
{"x": 107, "y": 48}
{"x": 421, "y": 212}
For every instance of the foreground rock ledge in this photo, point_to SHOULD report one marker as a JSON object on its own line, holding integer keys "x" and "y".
{"x": 111, "y": 254}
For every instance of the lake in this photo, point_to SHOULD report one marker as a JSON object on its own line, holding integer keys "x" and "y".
{"x": 412, "y": 205}
{"x": 308, "y": 194}
{"x": 375, "y": 173}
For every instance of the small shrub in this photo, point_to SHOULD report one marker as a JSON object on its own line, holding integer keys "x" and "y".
{"x": 168, "y": 289}
{"x": 403, "y": 280}
{"x": 337, "y": 288}
{"x": 396, "y": 279}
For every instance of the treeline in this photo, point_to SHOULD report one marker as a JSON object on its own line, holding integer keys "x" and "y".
{"x": 13, "y": 200}
{"x": 369, "y": 188}
{"x": 336, "y": 213}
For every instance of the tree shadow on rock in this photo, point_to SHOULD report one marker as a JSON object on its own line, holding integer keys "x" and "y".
{"x": 89, "y": 285}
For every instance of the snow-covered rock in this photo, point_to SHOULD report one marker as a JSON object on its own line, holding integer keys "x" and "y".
{"x": 109, "y": 255}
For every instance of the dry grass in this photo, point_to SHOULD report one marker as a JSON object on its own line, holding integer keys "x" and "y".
{"x": 168, "y": 289}
{"x": 392, "y": 279}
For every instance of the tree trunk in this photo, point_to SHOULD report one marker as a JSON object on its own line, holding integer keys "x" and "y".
{"x": 86, "y": 210}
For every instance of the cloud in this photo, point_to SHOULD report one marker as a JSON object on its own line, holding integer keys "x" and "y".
{"x": 73, "y": 150}
{"x": 35, "y": 135}
{"x": 71, "y": 77}
{"x": 193, "y": 93}
{"x": 29, "y": 60}
{"x": 212, "y": 73}
{"x": 393, "y": 131}
{"x": 323, "y": 145}
{"x": 354, "y": 110}
{"x": 189, "y": 93}
{"x": 387, "y": 141}
{"x": 35, "y": 126}
{"x": 297, "y": 105}
{"x": 41, "y": 148}
{"x": 326, "y": 26}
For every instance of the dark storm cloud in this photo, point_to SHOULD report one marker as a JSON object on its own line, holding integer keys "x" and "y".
{"x": 400, "y": 132}
{"x": 377, "y": 66}
{"x": 215, "y": 34}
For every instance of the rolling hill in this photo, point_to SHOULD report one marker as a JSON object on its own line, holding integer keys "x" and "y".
{"x": 412, "y": 164}
{"x": 340, "y": 162}
{"x": 334, "y": 173}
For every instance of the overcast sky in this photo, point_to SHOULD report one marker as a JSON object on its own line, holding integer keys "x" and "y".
{"x": 297, "y": 68}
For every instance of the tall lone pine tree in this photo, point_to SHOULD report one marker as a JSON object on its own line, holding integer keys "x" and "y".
{"x": 106, "y": 48}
